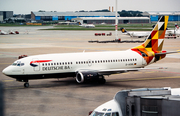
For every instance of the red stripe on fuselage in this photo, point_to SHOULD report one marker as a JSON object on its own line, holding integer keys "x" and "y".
{"x": 40, "y": 61}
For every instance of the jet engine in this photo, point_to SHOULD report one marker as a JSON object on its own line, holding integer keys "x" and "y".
{"x": 82, "y": 77}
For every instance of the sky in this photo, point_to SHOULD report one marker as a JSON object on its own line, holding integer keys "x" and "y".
{"x": 26, "y": 6}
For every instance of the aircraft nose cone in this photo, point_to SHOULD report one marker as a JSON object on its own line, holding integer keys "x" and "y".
{"x": 6, "y": 71}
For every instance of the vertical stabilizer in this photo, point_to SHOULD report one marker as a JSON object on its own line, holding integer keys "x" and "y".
{"x": 154, "y": 42}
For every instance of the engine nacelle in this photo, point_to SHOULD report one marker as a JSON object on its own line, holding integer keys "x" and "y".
{"x": 87, "y": 77}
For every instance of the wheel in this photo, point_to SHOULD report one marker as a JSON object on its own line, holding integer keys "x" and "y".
{"x": 26, "y": 85}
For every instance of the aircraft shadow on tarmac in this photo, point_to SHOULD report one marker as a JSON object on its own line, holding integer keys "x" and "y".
{"x": 70, "y": 82}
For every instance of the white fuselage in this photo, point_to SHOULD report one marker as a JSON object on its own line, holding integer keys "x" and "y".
{"x": 68, "y": 64}
{"x": 139, "y": 34}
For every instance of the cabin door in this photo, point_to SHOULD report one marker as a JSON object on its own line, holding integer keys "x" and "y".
{"x": 36, "y": 64}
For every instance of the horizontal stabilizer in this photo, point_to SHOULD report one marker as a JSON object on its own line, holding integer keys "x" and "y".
{"x": 162, "y": 53}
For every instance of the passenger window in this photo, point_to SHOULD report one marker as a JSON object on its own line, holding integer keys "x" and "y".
{"x": 54, "y": 63}
{"x": 42, "y": 64}
{"x": 57, "y": 63}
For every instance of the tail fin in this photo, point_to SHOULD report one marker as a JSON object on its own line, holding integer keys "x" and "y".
{"x": 176, "y": 27}
{"x": 123, "y": 30}
{"x": 154, "y": 42}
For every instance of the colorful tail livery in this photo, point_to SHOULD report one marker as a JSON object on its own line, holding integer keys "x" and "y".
{"x": 123, "y": 30}
{"x": 153, "y": 44}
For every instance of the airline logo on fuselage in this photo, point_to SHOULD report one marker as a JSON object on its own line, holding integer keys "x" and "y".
{"x": 35, "y": 63}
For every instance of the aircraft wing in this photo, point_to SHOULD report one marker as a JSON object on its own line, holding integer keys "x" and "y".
{"x": 117, "y": 71}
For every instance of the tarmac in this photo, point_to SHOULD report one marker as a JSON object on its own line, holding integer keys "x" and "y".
{"x": 65, "y": 97}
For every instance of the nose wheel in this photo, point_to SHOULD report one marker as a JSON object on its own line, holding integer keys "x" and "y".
{"x": 26, "y": 85}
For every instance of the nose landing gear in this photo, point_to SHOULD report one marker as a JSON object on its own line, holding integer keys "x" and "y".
{"x": 26, "y": 84}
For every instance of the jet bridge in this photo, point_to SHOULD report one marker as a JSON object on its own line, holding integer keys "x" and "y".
{"x": 149, "y": 102}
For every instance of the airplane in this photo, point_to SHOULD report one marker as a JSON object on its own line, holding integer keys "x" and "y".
{"x": 67, "y": 23}
{"x": 176, "y": 31}
{"x": 135, "y": 34}
{"x": 13, "y": 32}
{"x": 89, "y": 67}
{"x": 3, "y": 32}
{"x": 86, "y": 25}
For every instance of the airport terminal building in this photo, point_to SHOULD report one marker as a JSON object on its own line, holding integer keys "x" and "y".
{"x": 101, "y": 17}
{"x": 6, "y": 14}
{"x": 87, "y": 17}
{"x": 111, "y": 20}
{"x": 67, "y": 16}
{"x": 154, "y": 16}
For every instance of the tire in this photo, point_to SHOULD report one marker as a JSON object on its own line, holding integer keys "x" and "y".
{"x": 26, "y": 85}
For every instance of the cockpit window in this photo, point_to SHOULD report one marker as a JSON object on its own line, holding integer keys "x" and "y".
{"x": 14, "y": 64}
{"x": 97, "y": 114}
{"x": 18, "y": 64}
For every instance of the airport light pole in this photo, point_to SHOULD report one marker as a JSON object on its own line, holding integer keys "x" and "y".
{"x": 116, "y": 24}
